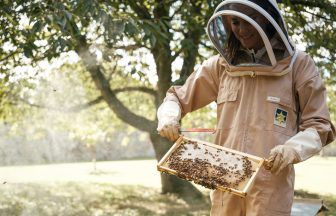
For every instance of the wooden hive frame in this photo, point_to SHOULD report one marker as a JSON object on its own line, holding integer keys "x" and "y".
{"x": 257, "y": 162}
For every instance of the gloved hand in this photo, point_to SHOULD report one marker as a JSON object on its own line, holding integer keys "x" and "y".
{"x": 169, "y": 114}
{"x": 298, "y": 148}
{"x": 281, "y": 156}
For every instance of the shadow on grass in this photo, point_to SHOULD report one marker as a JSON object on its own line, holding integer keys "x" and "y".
{"x": 86, "y": 199}
{"x": 93, "y": 199}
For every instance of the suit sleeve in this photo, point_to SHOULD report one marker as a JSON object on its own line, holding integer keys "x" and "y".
{"x": 200, "y": 89}
{"x": 311, "y": 92}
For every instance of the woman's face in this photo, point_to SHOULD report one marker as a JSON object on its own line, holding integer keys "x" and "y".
{"x": 248, "y": 36}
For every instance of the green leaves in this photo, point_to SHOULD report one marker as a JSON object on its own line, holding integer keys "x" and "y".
{"x": 155, "y": 31}
{"x": 37, "y": 27}
{"x": 166, "y": 29}
{"x": 28, "y": 51}
{"x": 115, "y": 28}
{"x": 310, "y": 21}
{"x": 131, "y": 29}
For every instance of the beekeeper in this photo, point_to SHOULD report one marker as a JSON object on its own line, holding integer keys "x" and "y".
{"x": 271, "y": 102}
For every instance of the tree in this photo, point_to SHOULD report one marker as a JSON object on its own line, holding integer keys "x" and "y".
{"x": 171, "y": 30}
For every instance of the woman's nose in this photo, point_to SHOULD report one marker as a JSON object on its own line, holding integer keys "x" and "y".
{"x": 245, "y": 28}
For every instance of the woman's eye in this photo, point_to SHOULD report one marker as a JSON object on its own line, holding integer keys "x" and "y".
{"x": 235, "y": 22}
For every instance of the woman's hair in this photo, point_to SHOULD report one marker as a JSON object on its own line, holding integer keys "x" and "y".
{"x": 233, "y": 46}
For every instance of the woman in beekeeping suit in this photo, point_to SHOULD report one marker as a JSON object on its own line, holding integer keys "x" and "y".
{"x": 271, "y": 102}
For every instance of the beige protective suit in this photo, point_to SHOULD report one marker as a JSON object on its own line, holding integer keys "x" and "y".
{"x": 258, "y": 108}
{"x": 246, "y": 109}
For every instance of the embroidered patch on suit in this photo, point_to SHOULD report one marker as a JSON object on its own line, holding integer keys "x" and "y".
{"x": 280, "y": 117}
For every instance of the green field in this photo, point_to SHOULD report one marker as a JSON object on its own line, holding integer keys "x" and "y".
{"x": 125, "y": 188}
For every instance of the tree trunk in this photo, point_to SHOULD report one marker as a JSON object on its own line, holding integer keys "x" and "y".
{"x": 170, "y": 184}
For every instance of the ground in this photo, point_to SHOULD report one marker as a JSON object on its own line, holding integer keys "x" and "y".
{"x": 125, "y": 188}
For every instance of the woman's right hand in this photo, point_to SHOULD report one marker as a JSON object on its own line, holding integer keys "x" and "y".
{"x": 169, "y": 114}
{"x": 169, "y": 128}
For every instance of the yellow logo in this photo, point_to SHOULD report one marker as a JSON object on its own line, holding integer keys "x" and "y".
{"x": 280, "y": 117}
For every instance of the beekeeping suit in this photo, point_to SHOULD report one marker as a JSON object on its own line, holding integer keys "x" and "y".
{"x": 271, "y": 102}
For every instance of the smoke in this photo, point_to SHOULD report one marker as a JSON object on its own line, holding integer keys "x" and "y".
{"x": 53, "y": 134}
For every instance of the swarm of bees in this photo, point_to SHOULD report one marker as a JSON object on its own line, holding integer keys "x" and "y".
{"x": 209, "y": 167}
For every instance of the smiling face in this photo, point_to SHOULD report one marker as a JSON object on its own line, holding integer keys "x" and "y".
{"x": 248, "y": 36}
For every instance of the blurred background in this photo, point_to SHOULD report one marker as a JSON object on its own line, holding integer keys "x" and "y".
{"x": 80, "y": 83}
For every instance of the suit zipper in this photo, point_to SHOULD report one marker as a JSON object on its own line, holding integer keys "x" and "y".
{"x": 248, "y": 115}
{"x": 253, "y": 74}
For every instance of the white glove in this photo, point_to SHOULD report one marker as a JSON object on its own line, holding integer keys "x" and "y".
{"x": 169, "y": 114}
{"x": 300, "y": 147}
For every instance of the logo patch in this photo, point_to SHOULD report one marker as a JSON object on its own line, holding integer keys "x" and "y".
{"x": 280, "y": 117}
{"x": 273, "y": 99}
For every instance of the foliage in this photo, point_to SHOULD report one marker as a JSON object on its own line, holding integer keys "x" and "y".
{"x": 332, "y": 101}
{"x": 57, "y": 110}
{"x": 95, "y": 30}
{"x": 313, "y": 24}
{"x": 100, "y": 32}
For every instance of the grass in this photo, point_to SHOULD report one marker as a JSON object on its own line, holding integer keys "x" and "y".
{"x": 126, "y": 188}
{"x": 92, "y": 199}
{"x": 316, "y": 175}
{"x": 100, "y": 199}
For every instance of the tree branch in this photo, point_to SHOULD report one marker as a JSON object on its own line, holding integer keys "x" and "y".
{"x": 72, "y": 109}
{"x": 109, "y": 95}
{"x": 109, "y": 78}
{"x": 316, "y": 4}
{"x": 205, "y": 45}
{"x": 138, "y": 88}
{"x": 8, "y": 56}
{"x": 177, "y": 54}
{"x": 127, "y": 47}
{"x": 141, "y": 11}
{"x": 319, "y": 16}
{"x": 190, "y": 54}
{"x": 90, "y": 103}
